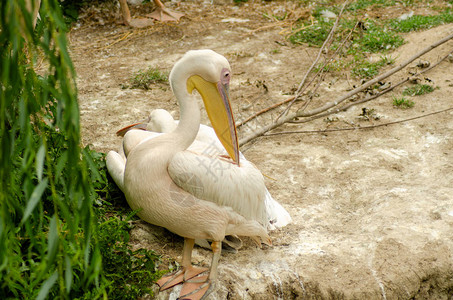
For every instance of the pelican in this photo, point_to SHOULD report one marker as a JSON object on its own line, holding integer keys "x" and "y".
{"x": 197, "y": 196}
{"x": 206, "y": 141}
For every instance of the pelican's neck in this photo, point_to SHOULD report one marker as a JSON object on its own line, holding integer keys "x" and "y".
{"x": 189, "y": 119}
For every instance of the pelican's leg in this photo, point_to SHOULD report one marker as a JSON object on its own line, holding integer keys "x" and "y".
{"x": 200, "y": 287}
{"x": 164, "y": 14}
{"x": 186, "y": 272}
{"x": 139, "y": 23}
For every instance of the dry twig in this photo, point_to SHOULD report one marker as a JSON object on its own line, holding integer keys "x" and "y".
{"x": 328, "y": 106}
{"x": 300, "y": 91}
{"x": 360, "y": 127}
{"x": 347, "y": 106}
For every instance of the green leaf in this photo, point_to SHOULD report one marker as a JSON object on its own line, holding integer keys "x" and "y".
{"x": 40, "y": 156}
{"x": 53, "y": 240}
{"x": 34, "y": 199}
{"x": 46, "y": 286}
{"x": 68, "y": 277}
{"x": 92, "y": 166}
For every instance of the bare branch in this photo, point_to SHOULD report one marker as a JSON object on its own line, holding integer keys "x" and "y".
{"x": 346, "y": 107}
{"x": 293, "y": 98}
{"x": 359, "y": 127}
{"x": 332, "y": 104}
{"x": 299, "y": 90}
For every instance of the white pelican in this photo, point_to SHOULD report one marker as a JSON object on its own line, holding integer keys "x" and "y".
{"x": 195, "y": 196}
{"x": 161, "y": 121}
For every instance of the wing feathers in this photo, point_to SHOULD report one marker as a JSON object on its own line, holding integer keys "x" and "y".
{"x": 219, "y": 181}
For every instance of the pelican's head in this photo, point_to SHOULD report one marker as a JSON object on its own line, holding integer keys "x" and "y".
{"x": 209, "y": 73}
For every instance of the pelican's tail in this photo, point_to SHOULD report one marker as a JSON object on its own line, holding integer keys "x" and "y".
{"x": 115, "y": 166}
{"x": 277, "y": 216}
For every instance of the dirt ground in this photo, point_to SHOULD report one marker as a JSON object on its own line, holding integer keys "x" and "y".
{"x": 372, "y": 209}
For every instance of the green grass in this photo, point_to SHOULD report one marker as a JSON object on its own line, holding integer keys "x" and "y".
{"x": 143, "y": 79}
{"x": 131, "y": 273}
{"x": 377, "y": 38}
{"x": 365, "y": 69}
{"x": 418, "y": 89}
{"x": 313, "y": 35}
{"x": 402, "y": 103}
{"x": 416, "y": 22}
{"x": 372, "y": 36}
{"x": 363, "y": 4}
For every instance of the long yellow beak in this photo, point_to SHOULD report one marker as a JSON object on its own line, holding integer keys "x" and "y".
{"x": 216, "y": 100}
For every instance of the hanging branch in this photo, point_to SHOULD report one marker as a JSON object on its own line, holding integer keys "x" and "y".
{"x": 329, "y": 105}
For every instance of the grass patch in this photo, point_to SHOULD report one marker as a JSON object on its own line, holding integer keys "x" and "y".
{"x": 371, "y": 36}
{"x": 313, "y": 35}
{"x": 363, "y": 4}
{"x": 415, "y": 23}
{"x": 131, "y": 273}
{"x": 418, "y": 89}
{"x": 143, "y": 79}
{"x": 366, "y": 69}
{"x": 376, "y": 38}
{"x": 402, "y": 103}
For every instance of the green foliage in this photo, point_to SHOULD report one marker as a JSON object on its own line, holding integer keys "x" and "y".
{"x": 313, "y": 35}
{"x": 366, "y": 69}
{"x": 51, "y": 245}
{"x": 46, "y": 219}
{"x": 374, "y": 39}
{"x": 421, "y": 22}
{"x": 364, "y": 4}
{"x": 142, "y": 79}
{"x": 377, "y": 38}
{"x": 369, "y": 36}
{"x": 418, "y": 89}
{"x": 403, "y": 103}
{"x": 132, "y": 273}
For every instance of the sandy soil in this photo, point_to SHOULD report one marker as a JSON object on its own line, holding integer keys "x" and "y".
{"x": 372, "y": 209}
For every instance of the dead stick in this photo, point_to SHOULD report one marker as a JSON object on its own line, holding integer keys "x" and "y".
{"x": 361, "y": 127}
{"x": 346, "y": 107}
{"x": 239, "y": 124}
{"x": 329, "y": 105}
{"x": 299, "y": 90}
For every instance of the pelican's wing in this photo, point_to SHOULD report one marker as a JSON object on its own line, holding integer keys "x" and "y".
{"x": 134, "y": 137}
{"x": 217, "y": 179}
{"x": 116, "y": 161}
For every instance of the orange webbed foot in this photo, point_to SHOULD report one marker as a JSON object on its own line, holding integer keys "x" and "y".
{"x": 180, "y": 276}
{"x": 196, "y": 288}
{"x": 164, "y": 14}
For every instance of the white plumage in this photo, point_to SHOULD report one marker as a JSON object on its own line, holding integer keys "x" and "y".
{"x": 207, "y": 143}
{"x": 192, "y": 192}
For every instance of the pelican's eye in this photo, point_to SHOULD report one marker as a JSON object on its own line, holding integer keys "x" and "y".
{"x": 225, "y": 76}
